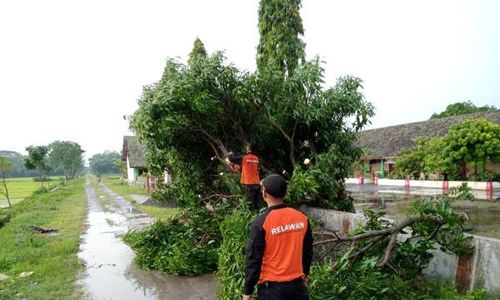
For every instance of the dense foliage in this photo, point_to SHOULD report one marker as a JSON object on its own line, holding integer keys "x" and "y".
{"x": 187, "y": 244}
{"x": 201, "y": 111}
{"x": 472, "y": 142}
{"x": 427, "y": 156}
{"x": 461, "y": 108}
{"x": 366, "y": 281}
{"x": 37, "y": 159}
{"x": 280, "y": 29}
{"x": 231, "y": 262}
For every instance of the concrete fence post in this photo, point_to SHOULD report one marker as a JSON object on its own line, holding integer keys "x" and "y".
{"x": 463, "y": 275}
{"x": 446, "y": 185}
{"x": 489, "y": 185}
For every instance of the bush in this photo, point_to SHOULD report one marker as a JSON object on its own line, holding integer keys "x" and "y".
{"x": 231, "y": 274}
{"x": 184, "y": 245}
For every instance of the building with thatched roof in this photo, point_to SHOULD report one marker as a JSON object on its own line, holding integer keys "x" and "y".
{"x": 133, "y": 153}
{"x": 384, "y": 144}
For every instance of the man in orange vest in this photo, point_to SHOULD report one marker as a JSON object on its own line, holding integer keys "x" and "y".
{"x": 280, "y": 248}
{"x": 249, "y": 175}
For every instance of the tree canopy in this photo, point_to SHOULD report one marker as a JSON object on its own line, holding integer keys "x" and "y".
{"x": 461, "y": 108}
{"x": 37, "y": 159}
{"x": 198, "y": 51}
{"x": 208, "y": 107}
{"x": 280, "y": 29}
{"x": 67, "y": 156}
{"x": 474, "y": 141}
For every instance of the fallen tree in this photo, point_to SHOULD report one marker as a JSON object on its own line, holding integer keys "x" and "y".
{"x": 387, "y": 258}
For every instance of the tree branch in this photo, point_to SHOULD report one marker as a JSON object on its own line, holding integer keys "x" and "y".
{"x": 271, "y": 121}
{"x": 388, "y": 250}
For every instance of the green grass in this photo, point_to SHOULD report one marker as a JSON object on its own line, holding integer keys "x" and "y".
{"x": 20, "y": 188}
{"x": 158, "y": 212}
{"x": 53, "y": 259}
{"x": 125, "y": 190}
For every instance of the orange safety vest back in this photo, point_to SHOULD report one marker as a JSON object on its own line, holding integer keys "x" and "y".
{"x": 250, "y": 169}
{"x": 285, "y": 231}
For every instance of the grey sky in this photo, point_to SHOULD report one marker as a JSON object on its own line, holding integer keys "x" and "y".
{"x": 69, "y": 70}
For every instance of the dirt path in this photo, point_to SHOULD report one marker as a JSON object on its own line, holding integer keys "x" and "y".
{"x": 110, "y": 269}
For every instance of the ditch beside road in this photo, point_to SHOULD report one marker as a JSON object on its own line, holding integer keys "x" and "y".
{"x": 110, "y": 270}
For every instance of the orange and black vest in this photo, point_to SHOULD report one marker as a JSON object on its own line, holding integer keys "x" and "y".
{"x": 279, "y": 248}
{"x": 250, "y": 169}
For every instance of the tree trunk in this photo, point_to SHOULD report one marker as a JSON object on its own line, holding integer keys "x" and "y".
{"x": 6, "y": 190}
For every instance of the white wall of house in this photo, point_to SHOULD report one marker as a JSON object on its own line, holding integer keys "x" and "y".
{"x": 132, "y": 173}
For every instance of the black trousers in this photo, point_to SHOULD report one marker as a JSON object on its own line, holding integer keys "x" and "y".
{"x": 254, "y": 196}
{"x": 291, "y": 290}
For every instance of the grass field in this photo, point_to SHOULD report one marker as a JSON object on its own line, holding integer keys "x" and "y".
{"x": 124, "y": 190}
{"x": 20, "y": 188}
{"x": 52, "y": 259}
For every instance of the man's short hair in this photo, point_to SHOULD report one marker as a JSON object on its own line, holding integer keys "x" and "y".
{"x": 275, "y": 185}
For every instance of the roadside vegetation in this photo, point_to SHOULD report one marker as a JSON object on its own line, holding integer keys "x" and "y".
{"x": 43, "y": 266}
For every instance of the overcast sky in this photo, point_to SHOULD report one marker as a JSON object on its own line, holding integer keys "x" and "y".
{"x": 70, "y": 70}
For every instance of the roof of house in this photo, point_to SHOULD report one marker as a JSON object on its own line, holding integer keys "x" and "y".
{"x": 390, "y": 141}
{"x": 134, "y": 151}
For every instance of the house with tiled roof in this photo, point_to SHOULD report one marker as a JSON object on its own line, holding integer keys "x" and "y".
{"x": 133, "y": 153}
{"x": 383, "y": 145}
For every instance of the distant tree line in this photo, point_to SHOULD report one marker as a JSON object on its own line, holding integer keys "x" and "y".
{"x": 108, "y": 162}
{"x": 17, "y": 162}
{"x": 461, "y": 108}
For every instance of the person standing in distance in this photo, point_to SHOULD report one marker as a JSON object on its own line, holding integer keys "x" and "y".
{"x": 249, "y": 174}
{"x": 280, "y": 248}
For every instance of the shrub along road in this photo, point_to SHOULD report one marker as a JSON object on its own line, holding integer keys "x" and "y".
{"x": 110, "y": 269}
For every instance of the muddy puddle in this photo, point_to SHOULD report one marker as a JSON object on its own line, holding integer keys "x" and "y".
{"x": 110, "y": 271}
{"x": 484, "y": 215}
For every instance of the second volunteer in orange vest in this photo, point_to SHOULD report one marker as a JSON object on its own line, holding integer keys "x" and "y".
{"x": 249, "y": 175}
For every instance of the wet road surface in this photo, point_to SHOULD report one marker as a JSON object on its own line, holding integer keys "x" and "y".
{"x": 110, "y": 271}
